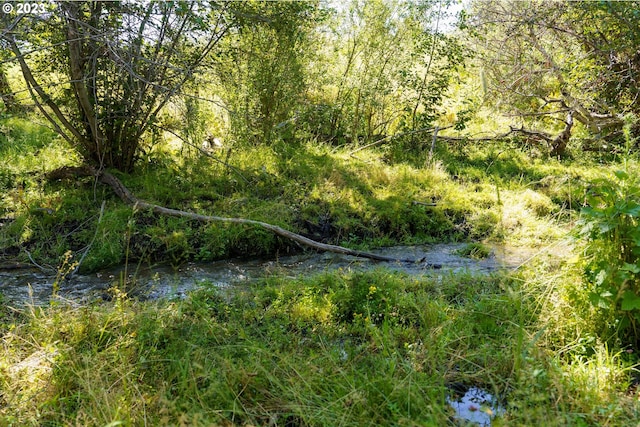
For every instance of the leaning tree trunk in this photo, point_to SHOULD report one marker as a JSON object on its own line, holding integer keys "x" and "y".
{"x": 559, "y": 143}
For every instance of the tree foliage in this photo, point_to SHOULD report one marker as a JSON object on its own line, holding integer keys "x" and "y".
{"x": 383, "y": 66}
{"x": 261, "y": 64}
{"x": 550, "y": 62}
{"x": 100, "y": 72}
{"x": 609, "y": 31}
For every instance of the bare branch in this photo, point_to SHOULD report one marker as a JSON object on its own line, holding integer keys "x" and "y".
{"x": 397, "y": 135}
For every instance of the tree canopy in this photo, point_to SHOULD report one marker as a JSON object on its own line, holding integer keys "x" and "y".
{"x": 100, "y": 72}
{"x": 551, "y": 62}
{"x": 104, "y": 73}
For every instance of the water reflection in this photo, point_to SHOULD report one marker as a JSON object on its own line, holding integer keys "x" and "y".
{"x": 476, "y": 406}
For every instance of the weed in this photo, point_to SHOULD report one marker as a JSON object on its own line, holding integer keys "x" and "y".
{"x": 611, "y": 229}
{"x": 475, "y": 251}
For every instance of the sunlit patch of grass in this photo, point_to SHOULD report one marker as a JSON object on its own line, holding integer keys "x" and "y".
{"x": 597, "y": 378}
{"x": 26, "y": 379}
{"x": 333, "y": 349}
{"x": 521, "y": 225}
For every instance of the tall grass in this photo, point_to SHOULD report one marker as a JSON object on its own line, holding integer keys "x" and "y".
{"x": 335, "y": 349}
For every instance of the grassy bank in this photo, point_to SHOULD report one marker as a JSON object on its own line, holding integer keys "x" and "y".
{"x": 372, "y": 198}
{"x": 338, "y": 349}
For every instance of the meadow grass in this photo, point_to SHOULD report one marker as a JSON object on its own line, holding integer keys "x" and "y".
{"x": 375, "y": 348}
{"x": 336, "y": 349}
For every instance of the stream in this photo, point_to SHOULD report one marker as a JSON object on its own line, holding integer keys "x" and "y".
{"x": 472, "y": 406}
{"x": 32, "y": 286}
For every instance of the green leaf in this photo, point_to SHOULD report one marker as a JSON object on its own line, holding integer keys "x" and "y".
{"x": 630, "y": 301}
{"x": 620, "y": 174}
{"x": 632, "y": 209}
{"x": 633, "y": 268}
{"x": 588, "y": 211}
{"x": 600, "y": 300}
{"x": 605, "y": 227}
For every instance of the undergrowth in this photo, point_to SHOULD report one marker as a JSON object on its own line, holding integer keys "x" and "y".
{"x": 343, "y": 348}
{"x": 376, "y": 348}
{"x": 362, "y": 200}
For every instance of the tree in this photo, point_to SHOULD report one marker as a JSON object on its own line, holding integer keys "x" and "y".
{"x": 386, "y": 67}
{"x": 609, "y": 31}
{"x": 542, "y": 63}
{"x": 7, "y": 96}
{"x": 548, "y": 63}
{"x": 261, "y": 68}
{"x": 121, "y": 62}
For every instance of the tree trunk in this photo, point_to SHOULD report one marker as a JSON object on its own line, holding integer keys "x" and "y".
{"x": 559, "y": 143}
{"x": 79, "y": 78}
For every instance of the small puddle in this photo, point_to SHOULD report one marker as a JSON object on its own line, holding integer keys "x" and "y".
{"x": 476, "y": 406}
{"x": 34, "y": 287}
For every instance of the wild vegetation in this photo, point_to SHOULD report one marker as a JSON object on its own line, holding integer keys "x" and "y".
{"x": 363, "y": 124}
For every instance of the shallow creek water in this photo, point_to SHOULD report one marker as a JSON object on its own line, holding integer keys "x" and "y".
{"x": 476, "y": 406}
{"x": 27, "y": 286}
{"x": 35, "y": 287}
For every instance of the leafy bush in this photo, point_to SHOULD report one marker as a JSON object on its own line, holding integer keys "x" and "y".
{"x": 612, "y": 231}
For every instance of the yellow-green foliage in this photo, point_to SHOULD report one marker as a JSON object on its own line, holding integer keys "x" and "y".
{"x": 361, "y": 199}
{"x": 333, "y": 349}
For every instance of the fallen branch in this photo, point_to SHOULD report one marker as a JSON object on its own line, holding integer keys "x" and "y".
{"x": 126, "y": 195}
{"x": 398, "y": 135}
{"x": 417, "y": 202}
{"x": 43, "y": 269}
{"x": 531, "y": 133}
{"x": 484, "y": 138}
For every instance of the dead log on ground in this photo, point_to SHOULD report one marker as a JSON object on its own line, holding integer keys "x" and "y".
{"x": 126, "y": 195}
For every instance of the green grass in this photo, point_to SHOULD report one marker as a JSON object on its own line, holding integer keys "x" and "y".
{"x": 335, "y": 349}
{"x": 495, "y": 192}
{"x": 475, "y": 251}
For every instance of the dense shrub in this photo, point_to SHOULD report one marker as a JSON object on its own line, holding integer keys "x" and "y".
{"x": 610, "y": 225}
